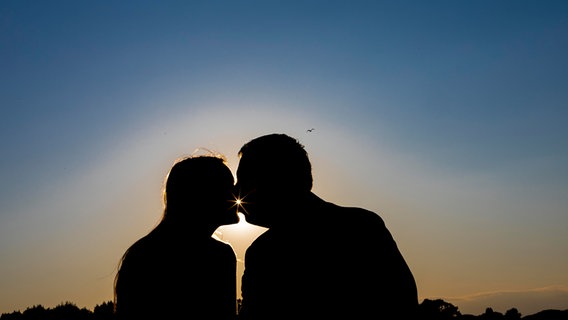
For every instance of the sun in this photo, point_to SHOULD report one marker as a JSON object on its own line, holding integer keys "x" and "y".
{"x": 239, "y": 202}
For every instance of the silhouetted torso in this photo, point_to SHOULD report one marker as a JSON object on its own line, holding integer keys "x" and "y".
{"x": 178, "y": 271}
{"x": 335, "y": 262}
{"x": 177, "y": 277}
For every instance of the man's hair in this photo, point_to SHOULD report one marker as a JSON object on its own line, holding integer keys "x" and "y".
{"x": 280, "y": 156}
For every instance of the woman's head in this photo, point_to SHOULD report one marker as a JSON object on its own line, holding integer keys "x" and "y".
{"x": 199, "y": 190}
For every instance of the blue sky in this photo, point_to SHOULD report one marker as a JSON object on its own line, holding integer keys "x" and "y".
{"x": 445, "y": 117}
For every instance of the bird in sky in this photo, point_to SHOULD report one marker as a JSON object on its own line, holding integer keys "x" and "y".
{"x": 310, "y": 130}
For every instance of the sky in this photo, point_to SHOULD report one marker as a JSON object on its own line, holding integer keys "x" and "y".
{"x": 446, "y": 118}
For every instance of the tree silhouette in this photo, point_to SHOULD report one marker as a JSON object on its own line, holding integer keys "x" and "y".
{"x": 63, "y": 311}
{"x": 69, "y": 311}
{"x": 512, "y": 314}
{"x": 438, "y": 310}
{"x": 105, "y": 311}
{"x": 492, "y": 315}
{"x": 548, "y": 315}
{"x": 16, "y": 315}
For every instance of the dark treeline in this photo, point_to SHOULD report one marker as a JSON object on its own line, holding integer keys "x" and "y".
{"x": 64, "y": 311}
{"x": 429, "y": 310}
{"x": 442, "y": 310}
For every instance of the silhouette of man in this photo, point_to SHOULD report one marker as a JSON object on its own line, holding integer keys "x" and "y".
{"x": 317, "y": 260}
{"x": 178, "y": 270}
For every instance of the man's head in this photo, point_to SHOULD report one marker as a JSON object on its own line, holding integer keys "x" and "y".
{"x": 273, "y": 169}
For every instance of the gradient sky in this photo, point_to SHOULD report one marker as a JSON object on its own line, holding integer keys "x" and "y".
{"x": 447, "y": 118}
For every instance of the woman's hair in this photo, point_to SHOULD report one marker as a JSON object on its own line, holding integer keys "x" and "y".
{"x": 191, "y": 177}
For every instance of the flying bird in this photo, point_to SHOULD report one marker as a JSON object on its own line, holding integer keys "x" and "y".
{"x": 310, "y": 130}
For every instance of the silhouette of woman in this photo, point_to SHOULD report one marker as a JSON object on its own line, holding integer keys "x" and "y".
{"x": 179, "y": 270}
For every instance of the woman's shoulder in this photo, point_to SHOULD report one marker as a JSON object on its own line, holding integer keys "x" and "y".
{"x": 221, "y": 245}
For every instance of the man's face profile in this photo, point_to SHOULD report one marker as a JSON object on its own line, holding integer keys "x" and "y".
{"x": 253, "y": 191}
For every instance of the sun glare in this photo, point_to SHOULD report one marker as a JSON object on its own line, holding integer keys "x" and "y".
{"x": 240, "y": 204}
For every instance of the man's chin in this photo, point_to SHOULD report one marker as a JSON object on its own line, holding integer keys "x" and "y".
{"x": 232, "y": 219}
{"x": 257, "y": 222}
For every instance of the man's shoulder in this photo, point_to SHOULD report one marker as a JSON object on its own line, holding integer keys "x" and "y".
{"x": 357, "y": 215}
{"x": 261, "y": 248}
{"x": 263, "y": 239}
